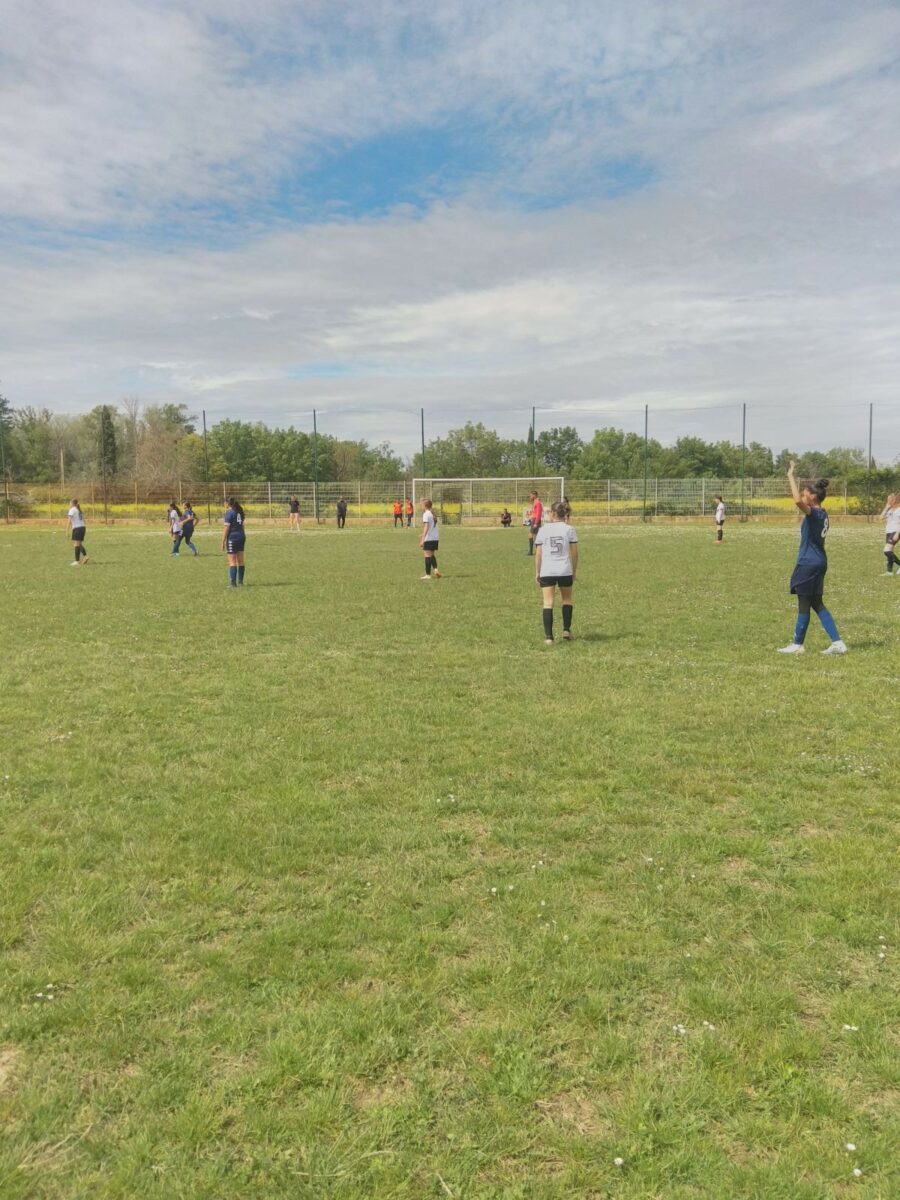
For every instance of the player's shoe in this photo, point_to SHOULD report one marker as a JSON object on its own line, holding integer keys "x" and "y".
{"x": 75, "y": 564}
{"x": 437, "y": 574}
{"x": 424, "y": 577}
{"x": 567, "y": 635}
{"x": 548, "y": 641}
{"x": 791, "y": 648}
{"x": 838, "y": 647}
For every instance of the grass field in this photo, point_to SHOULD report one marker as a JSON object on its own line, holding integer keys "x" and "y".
{"x": 345, "y": 885}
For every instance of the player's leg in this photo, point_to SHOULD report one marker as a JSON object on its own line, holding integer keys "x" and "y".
{"x": 428, "y": 564}
{"x": 828, "y": 624}
{"x": 566, "y": 596}
{"x": 548, "y": 595}
{"x": 800, "y": 628}
{"x": 239, "y": 559}
{"x": 434, "y": 566}
{"x": 719, "y": 530}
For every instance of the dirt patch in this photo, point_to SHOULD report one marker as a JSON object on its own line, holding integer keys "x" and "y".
{"x": 575, "y": 1110}
{"x": 11, "y": 1060}
{"x": 389, "y": 1092}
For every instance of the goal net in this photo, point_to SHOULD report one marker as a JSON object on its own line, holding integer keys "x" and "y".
{"x": 481, "y": 501}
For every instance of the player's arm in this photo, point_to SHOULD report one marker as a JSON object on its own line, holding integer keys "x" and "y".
{"x": 795, "y": 490}
{"x": 573, "y": 554}
{"x": 538, "y": 555}
{"x": 224, "y": 535}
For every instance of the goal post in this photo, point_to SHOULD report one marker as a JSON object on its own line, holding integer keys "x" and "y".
{"x": 458, "y": 499}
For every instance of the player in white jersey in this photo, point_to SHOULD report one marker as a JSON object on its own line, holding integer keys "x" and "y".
{"x": 720, "y": 519}
{"x": 76, "y": 524}
{"x": 890, "y": 514}
{"x": 429, "y": 540}
{"x": 555, "y": 564}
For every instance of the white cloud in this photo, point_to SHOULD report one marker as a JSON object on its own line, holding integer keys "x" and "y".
{"x": 760, "y": 266}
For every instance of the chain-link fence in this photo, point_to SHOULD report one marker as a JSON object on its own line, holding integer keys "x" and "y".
{"x": 477, "y": 502}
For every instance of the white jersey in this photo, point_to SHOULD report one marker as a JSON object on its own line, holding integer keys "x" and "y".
{"x": 720, "y": 513}
{"x": 76, "y": 518}
{"x": 174, "y": 521}
{"x": 892, "y": 520}
{"x": 429, "y": 526}
{"x": 555, "y": 538}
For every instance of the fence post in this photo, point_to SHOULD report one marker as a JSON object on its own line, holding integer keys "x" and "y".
{"x": 93, "y": 514}
{"x": 845, "y": 497}
{"x": 608, "y": 499}
{"x": 656, "y": 497}
{"x": 269, "y": 486}
{"x": 180, "y": 495}
{"x": 359, "y": 498}
{"x": 135, "y": 500}
{"x": 703, "y": 497}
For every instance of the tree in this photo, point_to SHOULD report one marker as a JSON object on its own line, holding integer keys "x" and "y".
{"x": 559, "y": 449}
{"x": 5, "y": 432}
{"x": 107, "y": 448}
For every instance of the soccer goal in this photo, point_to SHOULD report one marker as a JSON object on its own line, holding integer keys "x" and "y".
{"x": 482, "y": 500}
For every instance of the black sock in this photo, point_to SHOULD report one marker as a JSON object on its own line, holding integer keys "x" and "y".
{"x": 548, "y": 623}
{"x": 434, "y": 562}
{"x": 240, "y": 574}
{"x": 427, "y": 566}
{"x": 567, "y": 616}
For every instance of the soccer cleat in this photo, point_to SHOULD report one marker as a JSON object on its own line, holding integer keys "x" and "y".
{"x": 567, "y": 635}
{"x": 838, "y": 647}
{"x": 424, "y": 577}
{"x": 791, "y": 648}
{"x": 437, "y": 574}
{"x": 548, "y": 641}
{"x": 75, "y": 564}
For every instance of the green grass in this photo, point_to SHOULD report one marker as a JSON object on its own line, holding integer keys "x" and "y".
{"x": 252, "y": 840}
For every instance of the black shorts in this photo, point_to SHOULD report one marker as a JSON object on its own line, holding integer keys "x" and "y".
{"x": 234, "y": 544}
{"x": 554, "y": 580}
{"x": 429, "y": 547}
{"x": 78, "y": 533}
{"x": 890, "y": 540}
{"x": 806, "y": 582}
{"x": 719, "y": 524}
{"x": 534, "y": 527}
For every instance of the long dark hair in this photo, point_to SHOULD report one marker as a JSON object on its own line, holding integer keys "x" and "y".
{"x": 75, "y": 504}
{"x": 235, "y": 504}
{"x": 173, "y": 508}
{"x": 819, "y": 489}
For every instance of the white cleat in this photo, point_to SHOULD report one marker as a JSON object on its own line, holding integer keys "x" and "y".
{"x": 791, "y": 648}
{"x": 837, "y": 647}
{"x": 424, "y": 577}
{"x": 74, "y": 564}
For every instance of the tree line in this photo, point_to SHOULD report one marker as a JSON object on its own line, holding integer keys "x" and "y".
{"x": 159, "y": 444}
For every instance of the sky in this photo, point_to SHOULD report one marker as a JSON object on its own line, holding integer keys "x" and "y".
{"x": 585, "y": 206}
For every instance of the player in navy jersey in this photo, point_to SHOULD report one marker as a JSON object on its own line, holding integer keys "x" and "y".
{"x": 808, "y": 579}
{"x": 188, "y": 521}
{"x": 233, "y": 539}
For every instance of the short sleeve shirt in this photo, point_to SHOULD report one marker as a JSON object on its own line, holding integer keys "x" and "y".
{"x": 555, "y": 538}
{"x": 892, "y": 520}
{"x": 429, "y": 526}
{"x": 76, "y": 518}
{"x": 720, "y": 513}
{"x": 537, "y": 513}
{"x": 234, "y": 521}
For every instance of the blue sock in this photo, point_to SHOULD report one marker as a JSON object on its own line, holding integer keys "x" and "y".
{"x": 240, "y": 574}
{"x": 232, "y": 575}
{"x": 828, "y": 624}
{"x": 801, "y": 627}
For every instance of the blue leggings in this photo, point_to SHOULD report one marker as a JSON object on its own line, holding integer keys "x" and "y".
{"x": 816, "y": 603}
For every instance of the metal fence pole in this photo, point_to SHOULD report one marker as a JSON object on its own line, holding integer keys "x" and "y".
{"x": 646, "y": 431}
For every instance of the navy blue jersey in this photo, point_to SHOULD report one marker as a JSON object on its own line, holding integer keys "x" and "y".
{"x": 188, "y": 517}
{"x": 235, "y": 522}
{"x": 812, "y": 540}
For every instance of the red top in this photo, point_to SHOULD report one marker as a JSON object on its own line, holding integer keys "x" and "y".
{"x": 537, "y": 512}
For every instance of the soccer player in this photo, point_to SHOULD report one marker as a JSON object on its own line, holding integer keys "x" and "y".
{"x": 555, "y": 563}
{"x": 294, "y": 506}
{"x": 506, "y": 518}
{"x": 188, "y": 521}
{"x": 534, "y": 520}
{"x": 720, "y": 519}
{"x": 410, "y": 512}
{"x": 890, "y": 514}
{"x": 342, "y": 512}
{"x": 233, "y": 540}
{"x": 175, "y": 527}
{"x": 398, "y": 514}
{"x": 77, "y": 525}
{"x": 808, "y": 579}
{"x": 429, "y": 540}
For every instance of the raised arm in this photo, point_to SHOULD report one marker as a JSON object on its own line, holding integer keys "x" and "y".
{"x": 795, "y": 490}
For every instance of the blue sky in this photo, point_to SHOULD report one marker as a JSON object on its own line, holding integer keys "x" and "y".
{"x": 586, "y": 206}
